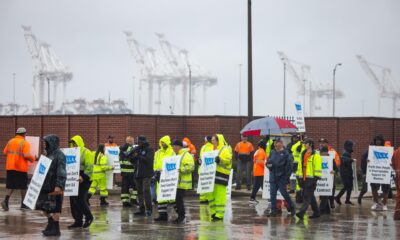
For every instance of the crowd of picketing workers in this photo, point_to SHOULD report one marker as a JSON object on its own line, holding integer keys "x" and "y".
{"x": 141, "y": 169}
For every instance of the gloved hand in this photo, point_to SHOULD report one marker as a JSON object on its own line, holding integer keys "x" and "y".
{"x": 217, "y": 159}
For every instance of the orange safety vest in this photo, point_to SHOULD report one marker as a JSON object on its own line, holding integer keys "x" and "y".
{"x": 110, "y": 145}
{"x": 18, "y": 154}
{"x": 244, "y": 148}
{"x": 258, "y": 167}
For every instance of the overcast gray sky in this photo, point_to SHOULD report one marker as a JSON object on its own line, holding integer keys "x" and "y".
{"x": 87, "y": 36}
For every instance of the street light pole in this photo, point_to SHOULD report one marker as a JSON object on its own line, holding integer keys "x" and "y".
{"x": 48, "y": 96}
{"x": 250, "y": 64}
{"x": 240, "y": 89}
{"x": 334, "y": 87}
{"x": 190, "y": 90}
{"x": 133, "y": 95}
{"x": 284, "y": 88}
{"x": 15, "y": 106}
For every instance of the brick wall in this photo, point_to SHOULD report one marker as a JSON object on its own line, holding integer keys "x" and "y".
{"x": 95, "y": 129}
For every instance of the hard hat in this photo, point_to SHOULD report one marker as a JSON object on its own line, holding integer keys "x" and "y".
{"x": 21, "y": 130}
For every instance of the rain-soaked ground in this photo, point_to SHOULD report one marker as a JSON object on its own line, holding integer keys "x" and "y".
{"x": 242, "y": 221}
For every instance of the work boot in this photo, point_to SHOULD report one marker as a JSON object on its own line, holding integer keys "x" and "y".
{"x": 126, "y": 204}
{"x": 88, "y": 222}
{"x": 103, "y": 201}
{"x": 4, "y": 205}
{"x": 23, "y": 206}
{"x": 359, "y": 200}
{"x": 238, "y": 187}
{"x": 180, "y": 219}
{"x": 50, "y": 221}
{"x": 348, "y": 202}
{"x": 301, "y": 217}
{"x": 248, "y": 188}
{"x": 54, "y": 230}
{"x": 75, "y": 225}
{"x": 88, "y": 198}
{"x": 337, "y": 199}
{"x": 162, "y": 217}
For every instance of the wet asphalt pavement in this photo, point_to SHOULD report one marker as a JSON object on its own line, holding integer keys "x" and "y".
{"x": 242, "y": 221}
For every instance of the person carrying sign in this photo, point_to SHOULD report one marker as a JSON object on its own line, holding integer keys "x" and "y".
{"x": 165, "y": 151}
{"x": 217, "y": 198}
{"x": 99, "y": 179}
{"x": 127, "y": 169}
{"x": 185, "y": 178}
{"x": 323, "y": 142}
{"x": 309, "y": 171}
{"x": 243, "y": 154}
{"x": 396, "y": 168}
{"x": 325, "y": 203}
{"x": 51, "y": 195}
{"x": 377, "y": 141}
{"x": 279, "y": 164}
{"x": 79, "y": 204}
{"x": 346, "y": 172}
{"x": 258, "y": 170}
{"x": 110, "y": 142}
{"x": 17, "y": 152}
{"x": 207, "y": 147}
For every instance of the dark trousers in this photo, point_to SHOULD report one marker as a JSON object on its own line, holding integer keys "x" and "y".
{"x": 127, "y": 183}
{"x": 281, "y": 186}
{"x": 244, "y": 164}
{"x": 325, "y": 204}
{"x": 332, "y": 198}
{"x": 180, "y": 206}
{"x": 79, "y": 204}
{"x": 309, "y": 187}
{"x": 144, "y": 194}
{"x": 364, "y": 188}
{"x": 347, "y": 188}
{"x": 258, "y": 183}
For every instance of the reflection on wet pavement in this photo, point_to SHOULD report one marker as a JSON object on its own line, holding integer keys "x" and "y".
{"x": 242, "y": 221}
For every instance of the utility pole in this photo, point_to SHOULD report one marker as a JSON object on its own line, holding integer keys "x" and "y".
{"x": 250, "y": 64}
{"x": 133, "y": 95}
{"x": 284, "y": 89}
{"x": 334, "y": 87}
{"x": 240, "y": 89}
{"x": 15, "y": 106}
{"x": 190, "y": 90}
{"x": 48, "y": 95}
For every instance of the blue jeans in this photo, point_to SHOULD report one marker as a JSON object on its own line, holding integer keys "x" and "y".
{"x": 281, "y": 186}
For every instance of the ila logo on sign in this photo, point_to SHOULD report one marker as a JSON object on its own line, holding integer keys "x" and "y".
{"x": 325, "y": 165}
{"x": 113, "y": 152}
{"x": 209, "y": 161}
{"x": 170, "y": 166}
{"x": 70, "y": 159}
{"x": 42, "y": 169}
{"x": 381, "y": 155}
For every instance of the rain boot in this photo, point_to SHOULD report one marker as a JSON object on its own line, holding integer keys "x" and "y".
{"x": 54, "y": 230}
{"x": 103, "y": 201}
{"x": 50, "y": 222}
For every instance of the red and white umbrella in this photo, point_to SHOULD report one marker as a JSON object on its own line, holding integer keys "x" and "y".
{"x": 268, "y": 126}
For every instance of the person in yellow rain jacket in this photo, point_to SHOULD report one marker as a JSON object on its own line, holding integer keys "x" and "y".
{"x": 185, "y": 178}
{"x": 296, "y": 150}
{"x": 207, "y": 147}
{"x": 79, "y": 204}
{"x": 99, "y": 179}
{"x": 217, "y": 198}
{"x": 164, "y": 152}
{"x": 309, "y": 171}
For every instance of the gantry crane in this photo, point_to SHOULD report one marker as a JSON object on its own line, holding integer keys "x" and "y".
{"x": 315, "y": 90}
{"x": 385, "y": 84}
{"x": 47, "y": 67}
